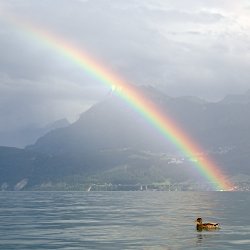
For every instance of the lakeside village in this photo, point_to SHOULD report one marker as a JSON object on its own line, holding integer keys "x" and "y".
{"x": 242, "y": 183}
{"x": 188, "y": 186}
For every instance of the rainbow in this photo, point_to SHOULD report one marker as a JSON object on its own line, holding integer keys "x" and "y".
{"x": 132, "y": 96}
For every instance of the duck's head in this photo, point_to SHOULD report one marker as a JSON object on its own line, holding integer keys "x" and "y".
{"x": 198, "y": 220}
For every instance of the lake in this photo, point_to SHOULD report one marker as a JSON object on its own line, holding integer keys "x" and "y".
{"x": 123, "y": 220}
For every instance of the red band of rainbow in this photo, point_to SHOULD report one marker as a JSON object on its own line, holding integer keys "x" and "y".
{"x": 165, "y": 125}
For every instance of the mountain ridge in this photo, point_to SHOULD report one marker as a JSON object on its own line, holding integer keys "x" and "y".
{"x": 112, "y": 140}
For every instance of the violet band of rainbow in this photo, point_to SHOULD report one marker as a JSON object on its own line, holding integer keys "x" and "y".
{"x": 131, "y": 95}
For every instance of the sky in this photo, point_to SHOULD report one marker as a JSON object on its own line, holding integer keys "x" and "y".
{"x": 182, "y": 47}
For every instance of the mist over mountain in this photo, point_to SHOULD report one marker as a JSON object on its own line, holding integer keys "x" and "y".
{"x": 237, "y": 99}
{"x": 113, "y": 143}
{"x": 28, "y": 134}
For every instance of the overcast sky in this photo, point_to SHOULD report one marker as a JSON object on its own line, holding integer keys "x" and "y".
{"x": 183, "y": 47}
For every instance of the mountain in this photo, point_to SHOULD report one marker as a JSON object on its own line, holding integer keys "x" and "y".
{"x": 112, "y": 143}
{"x": 28, "y": 134}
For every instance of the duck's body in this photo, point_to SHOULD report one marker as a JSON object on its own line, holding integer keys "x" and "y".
{"x": 206, "y": 226}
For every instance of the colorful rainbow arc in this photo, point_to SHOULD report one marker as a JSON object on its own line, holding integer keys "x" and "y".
{"x": 133, "y": 97}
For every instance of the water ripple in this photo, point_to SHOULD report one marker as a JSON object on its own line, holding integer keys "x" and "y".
{"x": 122, "y": 220}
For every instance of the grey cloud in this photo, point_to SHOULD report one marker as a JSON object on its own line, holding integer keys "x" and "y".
{"x": 177, "y": 16}
{"x": 195, "y": 47}
{"x": 23, "y": 102}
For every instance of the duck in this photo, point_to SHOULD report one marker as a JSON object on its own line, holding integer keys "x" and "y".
{"x": 206, "y": 226}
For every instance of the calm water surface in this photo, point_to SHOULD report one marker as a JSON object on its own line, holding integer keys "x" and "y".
{"x": 123, "y": 220}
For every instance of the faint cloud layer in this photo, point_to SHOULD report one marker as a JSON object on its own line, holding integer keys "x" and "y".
{"x": 193, "y": 47}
